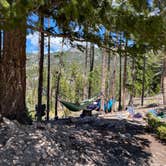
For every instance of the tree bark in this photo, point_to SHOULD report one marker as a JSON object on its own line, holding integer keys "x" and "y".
{"x": 120, "y": 81}
{"x": 85, "y": 73}
{"x": 133, "y": 81}
{"x": 0, "y": 43}
{"x": 91, "y": 69}
{"x": 113, "y": 79}
{"x": 164, "y": 82}
{"x": 48, "y": 76}
{"x": 124, "y": 82}
{"x": 57, "y": 85}
{"x": 41, "y": 61}
{"x": 103, "y": 78}
{"x": 143, "y": 82}
{"x": 57, "y": 94}
{"x": 109, "y": 75}
{"x": 13, "y": 75}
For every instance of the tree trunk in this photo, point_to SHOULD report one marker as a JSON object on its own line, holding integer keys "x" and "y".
{"x": 57, "y": 94}
{"x": 120, "y": 81}
{"x": 85, "y": 73}
{"x": 57, "y": 85}
{"x": 109, "y": 75}
{"x": 103, "y": 78}
{"x": 164, "y": 81}
{"x": 0, "y": 43}
{"x": 133, "y": 81}
{"x": 124, "y": 82}
{"x": 41, "y": 61}
{"x": 91, "y": 69}
{"x": 13, "y": 75}
{"x": 48, "y": 76}
{"x": 113, "y": 79}
{"x": 143, "y": 82}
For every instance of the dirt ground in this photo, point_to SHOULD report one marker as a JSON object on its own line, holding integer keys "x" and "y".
{"x": 112, "y": 139}
{"x": 149, "y": 143}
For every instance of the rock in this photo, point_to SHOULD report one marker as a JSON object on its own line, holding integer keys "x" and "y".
{"x": 33, "y": 164}
{"x": 10, "y": 123}
{"x": 49, "y": 125}
{"x": 15, "y": 162}
{"x": 128, "y": 135}
{"x": 74, "y": 120}
{"x": 101, "y": 123}
{"x": 120, "y": 126}
{"x": 87, "y": 119}
{"x": 111, "y": 124}
{"x": 86, "y": 126}
{"x": 61, "y": 144}
{"x": 44, "y": 155}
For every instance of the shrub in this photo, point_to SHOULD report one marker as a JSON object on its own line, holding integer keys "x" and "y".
{"x": 153, "y": 122}
{"x": 157, "y": 126}
{"x": 161, "y": 131}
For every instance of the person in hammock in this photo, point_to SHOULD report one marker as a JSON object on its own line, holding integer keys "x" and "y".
{"x": 95, "y": 105}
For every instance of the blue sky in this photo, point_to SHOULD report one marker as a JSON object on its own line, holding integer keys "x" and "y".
{"x": 32, "y": 42}
{"x": 32, "y": 39}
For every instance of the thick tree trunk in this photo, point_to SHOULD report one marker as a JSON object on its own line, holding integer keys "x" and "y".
{"x": 124, "y": 83}
{"x": 13, "y": 75}
{"x": 48, "y": 76}
{"x": 103, "y": 78}
{"x": 143, "y": 82}
{"x": 164, "y": 82}
{"x": 91, "y": 69}
{"x": 41, "y": 61}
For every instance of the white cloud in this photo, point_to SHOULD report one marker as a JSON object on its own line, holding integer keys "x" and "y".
{"x": 55, "y": 43}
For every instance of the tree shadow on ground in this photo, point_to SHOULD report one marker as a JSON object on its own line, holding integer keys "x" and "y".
{"x": 110, "y": 142}
{"x": 102, "y": 142}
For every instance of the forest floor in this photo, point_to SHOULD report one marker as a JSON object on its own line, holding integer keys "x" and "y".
{"x": 106, "y": 140}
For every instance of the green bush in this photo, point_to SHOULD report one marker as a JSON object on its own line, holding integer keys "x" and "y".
{"x": 161, "y": 131}
{"x": 153, "y": 122}
{"x": 157, "y": 126}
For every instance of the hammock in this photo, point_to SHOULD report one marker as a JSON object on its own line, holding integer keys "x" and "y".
{"x": 78, "y": 107}
{"x": 74, "y": 107}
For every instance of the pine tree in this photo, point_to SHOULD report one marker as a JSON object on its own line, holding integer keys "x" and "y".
{"x": 133, "y": 81}
{"x": 143, "y": 81}
{"x": 92, "y": 55}
{"x": 13, "y": 75}
{"x": 85, "y": 73}
{"x": 164, "y": 81}
{"x": 124, "y": 79}
{"x": 48, "y": 75}
{"x": 103, "y": 78}
{"x": 41, "y": 63}
{"x": 0, "y": 43}
{"x": 109, "y": 75}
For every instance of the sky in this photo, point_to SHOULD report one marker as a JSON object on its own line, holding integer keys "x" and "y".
{"x": 32, "y": 38}
{"x": 32, "y": 42}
